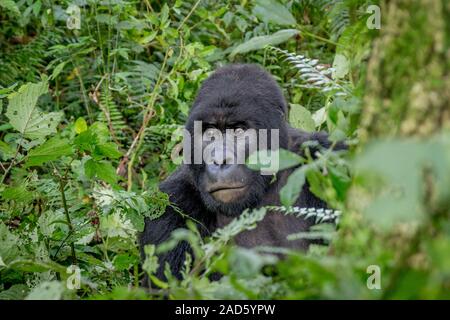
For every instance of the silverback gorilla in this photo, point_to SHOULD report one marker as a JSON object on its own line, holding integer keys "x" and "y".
{"x": 239, "y": 97}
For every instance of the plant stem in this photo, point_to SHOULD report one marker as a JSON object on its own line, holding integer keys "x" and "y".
{"x": 312, "y": 35}
{"x": 148, "y": 115}
{"x": 69, "y": 222}
{"x": 188, "y": 15}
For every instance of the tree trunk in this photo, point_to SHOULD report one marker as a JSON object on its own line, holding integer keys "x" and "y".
{"x": 408, "y": 81}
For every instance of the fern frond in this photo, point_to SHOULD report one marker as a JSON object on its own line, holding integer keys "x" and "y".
{"x": 313, "y": 74}
{"x": 136, "y": 81}
{"x": 112, "y": 116}
{"x": 49, "y": 190}
{"x": 24, "y": 63}
{"x": 319, "y": 214}
{"x": 246, "y": 221}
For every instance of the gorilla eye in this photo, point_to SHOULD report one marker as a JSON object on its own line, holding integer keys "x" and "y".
{"x": 239, "y": 132}
{"x": 210, "y": 132}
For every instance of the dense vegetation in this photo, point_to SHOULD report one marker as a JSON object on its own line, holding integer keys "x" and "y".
{"x": 90, "y": 116}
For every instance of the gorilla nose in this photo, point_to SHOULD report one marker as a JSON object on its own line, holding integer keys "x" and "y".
{"x": 222, "y": 169}
{"x": 219, "y": 170}
{"x": 222, "y": 159}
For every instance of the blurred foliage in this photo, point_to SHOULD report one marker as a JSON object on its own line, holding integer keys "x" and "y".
{"x": 89, "y": 118}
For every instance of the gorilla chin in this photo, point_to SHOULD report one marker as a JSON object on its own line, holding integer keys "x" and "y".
{"x": 230, "y": 189}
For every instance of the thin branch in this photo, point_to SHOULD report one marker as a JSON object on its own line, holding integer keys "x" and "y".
{"x": 69, "y": 222}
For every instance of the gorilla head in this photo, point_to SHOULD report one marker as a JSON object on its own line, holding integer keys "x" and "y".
{"x": 234, "y": 103}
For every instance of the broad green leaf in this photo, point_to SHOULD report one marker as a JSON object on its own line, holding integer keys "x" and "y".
{"x": 80, "y": 125}
{"x": 247, "y": 262}
{"x": 15, "y": 292}
{"x": 58, "y": 69}
{"x": 137, "y": 220}
{"x": 108, "y": 149}
{"x": 100, "y": 169}
{"x": 96, "y": 134}
{"x": 36, "y": 265}
{"x": 300, "y": 118}
{"x": 291, "y": 190}
{"x": 26, "y": 117}
{"x": 17, "y": 193}
{"x": 51, "y": 290}
{"x": 340, "y": 180}
{"x": 51, "y": 150}
{"x": 341, "y": 66}
{"x": 101, "y": 131}
{"x": 260, "y": 42}
{"x": 9, "y": 249}
{"x": 6, "y": 151}
{"x": 5, "y": 127}
{"x": 124, "y": 261}
{"x": 320, "y": 116}
{"x": 276, "y": 160}
{"x": 274, "y": 12}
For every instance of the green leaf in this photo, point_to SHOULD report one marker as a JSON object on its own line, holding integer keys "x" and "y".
{"x": 17, "y": 193}
{"x": 96, "y": 134}
{"x": 281, "y": 158}
{"x": 246, "y": 262}
{"x": 319, "y": 116}
{"x": 108, "y": 149}
{"x": 273, "y": 12}
{"x": 125, "y": 261}
{"x": 260, "y": 42}
{"x": 52, "y": 149}
{"x": 58, "y": 69}
{"x": 100, "y": 169}
{"x": 300, "y": 118}
{"x": 26, "y": 117}
{"x": 341, "y": 66}
{"x": 340, "y": 180}
{"x": 51, "y": 290}
{"x": 6, "y": 151}
{"x": 10, "y": 6}
{"x": 80, "y": 125}
{"x": 291, "y": 190}
{"x": 137, "y": 220}
{"x": 9, "y": 249}
{"x": 15, "y": 292}
{"x": 100, "y": 130}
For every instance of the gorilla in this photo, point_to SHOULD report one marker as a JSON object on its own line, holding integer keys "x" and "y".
{"x": 215, "y": 190}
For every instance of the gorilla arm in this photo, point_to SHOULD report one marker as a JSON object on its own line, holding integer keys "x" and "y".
{"x": 183, "y": 195}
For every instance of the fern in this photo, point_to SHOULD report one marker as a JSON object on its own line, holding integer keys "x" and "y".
{"x": 313, "y": 74}
{"x": 112, "y": 116}
{"x": 48, "y": 190}
{"x": 319, "y": 214}
{"x": 338, "y": 16}
{"x": 246, "y": 221}
{"x": 136, "y": 81}
{"x": 25, "y": 62}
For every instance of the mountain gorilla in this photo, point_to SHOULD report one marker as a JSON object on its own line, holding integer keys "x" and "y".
{"x": 238, "y": 97}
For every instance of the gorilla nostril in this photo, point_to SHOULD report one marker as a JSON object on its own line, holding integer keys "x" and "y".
{"x": 221, "y": 162}
{"x": 217, "y": 162}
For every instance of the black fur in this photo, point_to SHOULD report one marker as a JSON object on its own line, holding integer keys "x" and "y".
{"x": 238, "y": 92}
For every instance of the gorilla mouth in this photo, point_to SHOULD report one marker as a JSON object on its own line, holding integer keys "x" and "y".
{"x": 227, "y": 193}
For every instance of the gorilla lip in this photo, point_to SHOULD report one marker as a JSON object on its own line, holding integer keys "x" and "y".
{"x": 217, "y": 189}
{"x": 228, "y": 194}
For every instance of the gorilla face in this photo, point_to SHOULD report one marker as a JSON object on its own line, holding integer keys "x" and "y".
{"x": 232, "y": 105}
